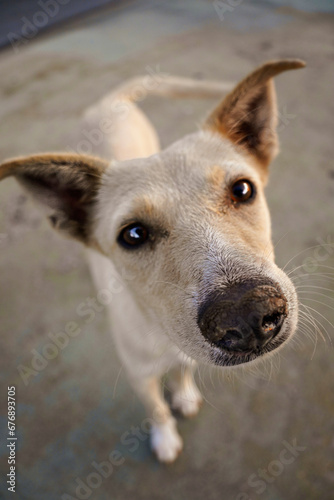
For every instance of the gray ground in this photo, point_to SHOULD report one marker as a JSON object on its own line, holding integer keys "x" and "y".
{"x": 76, "y": 409}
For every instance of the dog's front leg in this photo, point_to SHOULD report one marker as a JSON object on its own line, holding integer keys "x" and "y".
{"x": 186, "y": 397}
{"x": 165, "y": 439}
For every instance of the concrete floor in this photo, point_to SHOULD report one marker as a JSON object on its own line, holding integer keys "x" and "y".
{"x": 76, "y": 409}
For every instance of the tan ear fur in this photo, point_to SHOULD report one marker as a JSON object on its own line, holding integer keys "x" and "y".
{"x": 248, "y": 115}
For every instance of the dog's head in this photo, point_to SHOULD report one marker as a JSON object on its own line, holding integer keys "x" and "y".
{"x": 190, "y": 224}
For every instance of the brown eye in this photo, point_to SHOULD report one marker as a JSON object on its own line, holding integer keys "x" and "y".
{"x": 133, "y": 235}
{"x": 242, "y": 190}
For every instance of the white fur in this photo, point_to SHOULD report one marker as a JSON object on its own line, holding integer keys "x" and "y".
{"x": 199, "y": 245}
{"x": 147, "y": 346}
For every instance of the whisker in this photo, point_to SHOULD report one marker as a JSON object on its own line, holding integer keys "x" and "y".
{"x": 317, "y": 312}
{"x": 315, "y": 321}
{"x": 312, "y": 334}
{"x": 172, "y": 284}
{"x": 305, "y": 250}
{"x": 302, "y": 292}
{"x": 303, "y": 287}
{"x": 315, "y": 275}
{"x": 310, "y": 273}
{"x": 116, "y": 382}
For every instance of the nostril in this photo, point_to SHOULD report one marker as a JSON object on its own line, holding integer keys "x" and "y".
{"x": 233, "y": 333}
{"x": 230, "y": 340}
{"x": 272, "y": 322}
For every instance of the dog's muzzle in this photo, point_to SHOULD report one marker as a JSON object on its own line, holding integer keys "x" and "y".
{"x": 245, "y": 317}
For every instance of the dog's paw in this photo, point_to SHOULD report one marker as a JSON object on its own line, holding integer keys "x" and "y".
{"x": 187, "y": 402}
{"x": 166, "y": 441}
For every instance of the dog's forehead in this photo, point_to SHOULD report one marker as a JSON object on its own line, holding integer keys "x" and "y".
{"x": 187, "y": 166}
{"x": 205, "y": 156}
{"x": 186, "y": 174}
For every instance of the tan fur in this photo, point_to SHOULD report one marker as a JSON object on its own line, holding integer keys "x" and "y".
{"x": 200, "y": 240}
{"x": 216, "y": 177}
{"x": 234, "y": 120}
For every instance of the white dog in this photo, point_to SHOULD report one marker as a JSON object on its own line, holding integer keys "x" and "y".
{"x": 186, "y": 229}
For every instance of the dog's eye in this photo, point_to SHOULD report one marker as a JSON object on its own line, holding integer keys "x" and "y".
{"x": 242, "y": 190}
{"x": 133, "y": 236}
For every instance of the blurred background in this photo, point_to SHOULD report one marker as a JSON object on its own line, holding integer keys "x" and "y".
{"x": 58, "y": 57}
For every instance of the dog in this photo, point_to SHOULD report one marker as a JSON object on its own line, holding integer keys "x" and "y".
{"x": 186, "y": 231}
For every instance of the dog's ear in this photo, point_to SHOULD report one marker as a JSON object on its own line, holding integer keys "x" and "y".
{"x": 248, "y": 115}
{"x": 66, "y": 184}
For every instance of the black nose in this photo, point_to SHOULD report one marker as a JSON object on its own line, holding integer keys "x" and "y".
{"x": 244, "y": 317}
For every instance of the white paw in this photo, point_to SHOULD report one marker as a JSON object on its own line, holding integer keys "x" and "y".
{"x": 187, "y": 402}
{"x": 166, "y": 441}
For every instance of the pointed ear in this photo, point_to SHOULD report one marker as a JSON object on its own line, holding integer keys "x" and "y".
{"x": 65, "y": 184}
{"x": 248, "y": 115}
